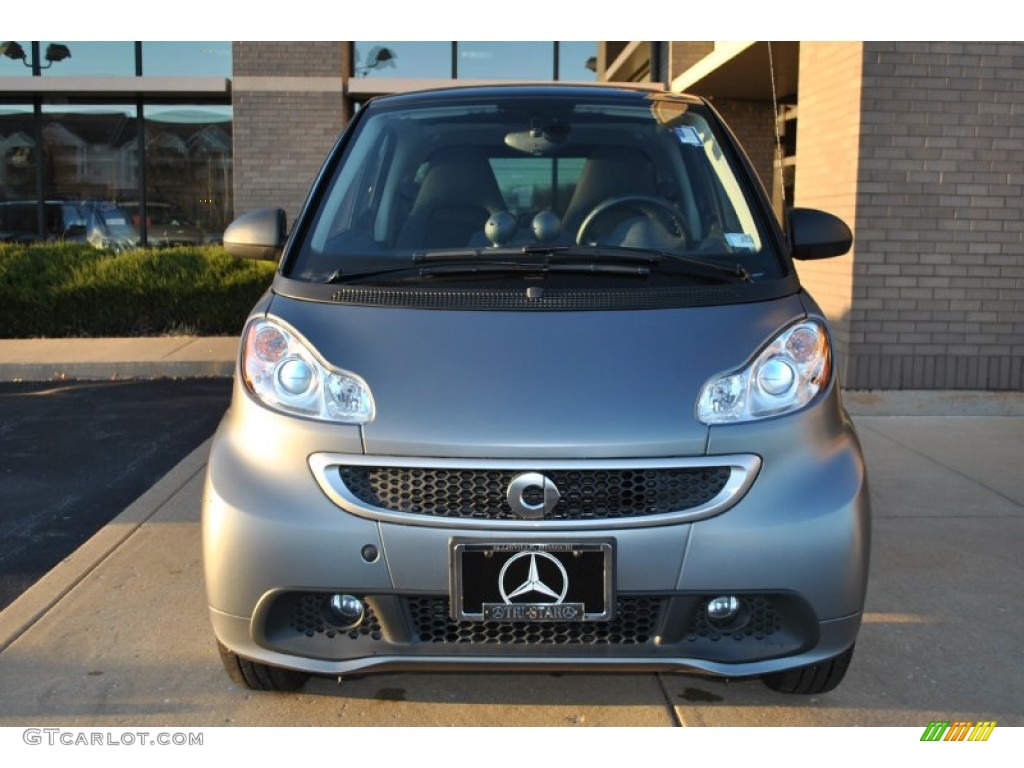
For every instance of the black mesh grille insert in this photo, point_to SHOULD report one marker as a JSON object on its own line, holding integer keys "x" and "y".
{"x": 586, "y": 494}
{"x": 634, "y": 624}
{"x": 758, "y": 619}
{"x": 307, "y": 618}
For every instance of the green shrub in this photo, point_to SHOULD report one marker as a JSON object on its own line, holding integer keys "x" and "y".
{"x": 76, "y": 290}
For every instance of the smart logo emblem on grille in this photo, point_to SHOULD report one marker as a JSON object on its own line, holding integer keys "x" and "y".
{"x": 531, "y": 495}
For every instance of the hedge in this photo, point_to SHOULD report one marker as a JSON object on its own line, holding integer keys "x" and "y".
{"x": 76, "y": 290}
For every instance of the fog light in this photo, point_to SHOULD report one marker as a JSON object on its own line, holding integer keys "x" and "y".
{"x": 723, "y": 609}
{"x": 345, "y": 611}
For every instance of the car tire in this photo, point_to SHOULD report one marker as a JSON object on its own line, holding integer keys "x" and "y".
{"x": 814, "y": 678}
{"x": 260, "y": 677}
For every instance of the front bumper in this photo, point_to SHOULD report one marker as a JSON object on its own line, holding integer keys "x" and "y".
{"x": 794, "y": 546}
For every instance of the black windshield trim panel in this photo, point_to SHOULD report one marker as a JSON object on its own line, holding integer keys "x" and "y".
{"x": 455, "y": 297}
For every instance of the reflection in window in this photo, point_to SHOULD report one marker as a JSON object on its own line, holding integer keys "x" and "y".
{"x": 92, "y": 59}
{"x": 17, "y": 57}
{"x": 89, "y": 152}
{"x": 506, "y": 60}
{"x": 536, "y": 183}
{"x": 188, "y": 174}
{"x": 577, "y": 61}
{"x": 17, "y": 154}
{"x": 191, "y": 59}
{"x": 403, "y": 59}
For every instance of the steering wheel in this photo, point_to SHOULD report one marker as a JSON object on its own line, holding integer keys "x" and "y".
{"x": 656, "y": 209}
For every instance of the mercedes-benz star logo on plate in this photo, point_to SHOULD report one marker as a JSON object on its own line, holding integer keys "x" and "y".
{"x": 522, "y": 576}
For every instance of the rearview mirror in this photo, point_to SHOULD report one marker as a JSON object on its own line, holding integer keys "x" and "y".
{"x": 257, "y": 235}
{"x": 814, "y": 234}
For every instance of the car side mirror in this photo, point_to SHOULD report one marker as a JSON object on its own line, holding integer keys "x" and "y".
{"x": 814, "y": 234}
{"x": 257, "y": 234}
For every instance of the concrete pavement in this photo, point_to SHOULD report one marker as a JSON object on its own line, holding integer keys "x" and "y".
{"x": 117, "y": 634}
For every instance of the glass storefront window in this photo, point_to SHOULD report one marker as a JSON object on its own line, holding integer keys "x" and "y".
{"x": 17, "y": 154}
{"x": 403, "y": 59}
{"x": 90, "y": 163}
{"x": 89, "y": 152}
{"x": 188, "y": 174}
{"x": 577, "y": 61}
{"x": 506, "y": 60}
{"x": 17, "y": 58}
{"x": 90, "y": 59}
{"x": 192, "y": 59}
{"x": 14, "y": 67}
{"x": 478, "y": 60}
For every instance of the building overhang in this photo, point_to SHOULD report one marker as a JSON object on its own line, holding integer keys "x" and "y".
{"x": 83, "y": 89}
{"x": 742, "y": 70}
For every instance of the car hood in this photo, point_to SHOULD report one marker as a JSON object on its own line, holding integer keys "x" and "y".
{"x": 536, "y": 384}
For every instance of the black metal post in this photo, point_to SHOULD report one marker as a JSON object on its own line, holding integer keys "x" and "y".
{"x": 140, "y": 126}
{"x": 37, "y": 137}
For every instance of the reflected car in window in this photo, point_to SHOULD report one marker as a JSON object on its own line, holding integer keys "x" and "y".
{"x": 102, "y": 224}
{"x": 166, "y": 226}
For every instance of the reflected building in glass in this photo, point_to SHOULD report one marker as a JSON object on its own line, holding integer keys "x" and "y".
{"x": 195, "y": 132}
{"x": 142, "y": 131}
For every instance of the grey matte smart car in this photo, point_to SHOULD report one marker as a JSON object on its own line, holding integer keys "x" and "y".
{"x": 536, "y": 387}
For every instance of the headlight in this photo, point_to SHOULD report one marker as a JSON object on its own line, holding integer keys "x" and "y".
{"x": 283, "y": 373}
{"x": 787, "y": 374}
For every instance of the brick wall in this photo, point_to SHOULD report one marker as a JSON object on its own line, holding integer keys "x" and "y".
{"x": 938, "y": 292}
{"x": 289, "y": 109}
{"x": 827, "y": 147}
{"x": 288, "y": 59}
{"x": 684, "y": 54}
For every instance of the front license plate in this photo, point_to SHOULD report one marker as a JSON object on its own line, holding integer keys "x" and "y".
{"x": 532, "y": 582}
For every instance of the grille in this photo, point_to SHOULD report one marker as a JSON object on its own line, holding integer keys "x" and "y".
{"x": 307, "y": 618}
{"x": 592, "y": 494}
{"x": 634, "y": 623}
{"x": 758, "y": 620}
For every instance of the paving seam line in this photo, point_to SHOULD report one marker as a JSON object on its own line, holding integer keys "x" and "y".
{"x": 672, "y": 708}
{"x": 189, "y": 340}
{"x": 945, "y": 466}
{"x": 39, "y": 599}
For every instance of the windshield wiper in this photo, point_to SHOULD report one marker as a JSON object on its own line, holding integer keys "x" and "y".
{"x": 547, "y": 254}
{"x": 491, "y": 268}
{"x": 594, "y": 253}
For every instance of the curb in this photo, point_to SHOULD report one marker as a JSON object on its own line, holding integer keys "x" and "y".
{"x": 98, "y": 359}
{"x": 163, "y": 369}
{"x": 18, "y": 617}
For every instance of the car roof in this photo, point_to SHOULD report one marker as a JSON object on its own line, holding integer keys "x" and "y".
{"x": 625, "y": 92}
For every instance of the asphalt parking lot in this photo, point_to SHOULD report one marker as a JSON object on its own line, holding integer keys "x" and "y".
{"x": 76, "y": 453}
{"x": 117, "y": 634}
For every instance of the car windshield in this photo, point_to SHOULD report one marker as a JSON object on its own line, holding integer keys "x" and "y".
{"x": 507, "y": 179}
